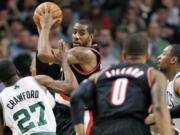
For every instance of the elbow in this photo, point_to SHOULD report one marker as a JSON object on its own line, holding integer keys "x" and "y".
{"x": 71, "y": 87}
{"x": 43, "y": 57}
{"x": 68, "y": 91}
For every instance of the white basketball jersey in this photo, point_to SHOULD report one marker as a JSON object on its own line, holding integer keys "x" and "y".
{"x": 173, "y": 99}
{"x": 27, "y": 109}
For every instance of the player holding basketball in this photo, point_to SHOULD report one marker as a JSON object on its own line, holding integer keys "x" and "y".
{"x": 83, "y": 59}
{"x": 121, "y": 95}
{"x": 21, "y": 95}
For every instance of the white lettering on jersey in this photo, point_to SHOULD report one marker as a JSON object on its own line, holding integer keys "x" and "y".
{"x": 135, "y": 72}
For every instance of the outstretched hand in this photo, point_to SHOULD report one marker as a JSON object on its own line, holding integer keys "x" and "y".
{"x": 61, "y": 55}
{"x": 46, "y": 18}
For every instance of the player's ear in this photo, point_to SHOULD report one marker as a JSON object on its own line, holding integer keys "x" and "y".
{"x": 146, "y": 56}
{"x": 18, "y": 73}
{"x": 91, "y": 36}
{"x": 174, "y": 59}
{"x": 123, "y": 56}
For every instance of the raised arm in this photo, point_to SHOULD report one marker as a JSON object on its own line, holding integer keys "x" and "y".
{"x": 44, "y": 47}
{"x": 162, "y": 116}
{"x": 70, "y": 81}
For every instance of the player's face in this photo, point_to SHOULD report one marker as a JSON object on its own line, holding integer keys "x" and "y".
{"x": 81, "y": 35}
{"x": 164, "y": 59}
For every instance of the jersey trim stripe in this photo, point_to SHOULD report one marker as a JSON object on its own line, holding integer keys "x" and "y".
{"x": 85, "y": 72}
{"x": 44, "y": 133}
{"x": 65, "y": 100}
{"x": 65, "y": 97}
{"x": 92, "y": 70}
{"x": 150, "y": 74}
{"x": 90, "y": 124}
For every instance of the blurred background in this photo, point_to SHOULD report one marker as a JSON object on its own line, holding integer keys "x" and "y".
{"x": 157, "y": 20}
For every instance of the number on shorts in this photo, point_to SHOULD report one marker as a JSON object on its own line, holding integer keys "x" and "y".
{"x": 26, "y": 117}
{"x": 118, "y": 92}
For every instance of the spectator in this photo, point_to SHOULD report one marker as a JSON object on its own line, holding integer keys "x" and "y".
{"x": 146, "y": 9}
{"x": 106, "y": 56}
{"x": 132, "y": 23}
{"x": 22, "y": 45}
{"x": 120, "y": 35}
{"x": 99, "y": 19}
{"x": 167, "y": 30}
{"x": 155, "y": 43}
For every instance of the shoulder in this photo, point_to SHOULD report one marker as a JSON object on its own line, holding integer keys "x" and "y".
{"x": 82, "y": 52}
{"x": 28, "y": 78}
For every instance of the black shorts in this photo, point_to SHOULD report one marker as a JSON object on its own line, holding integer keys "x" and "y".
{"x": 63, "y": 120}
{"x": 122, "y": 126}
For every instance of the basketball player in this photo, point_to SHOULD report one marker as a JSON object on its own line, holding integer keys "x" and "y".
{"x": 121, "y": 95}
{"x": 19, "y": 92}
{"x": 83, "y": 59}
{"x": 24, "y": 107}
{"x": 169, "y": 64}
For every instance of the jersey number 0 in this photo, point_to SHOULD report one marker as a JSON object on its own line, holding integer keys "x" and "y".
{"x": 118, "y": 92}
{"x": 27, "y": 116}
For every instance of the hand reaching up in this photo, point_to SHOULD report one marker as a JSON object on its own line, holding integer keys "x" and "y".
{"x": 61, "y": 55}
{"x": 46, "y": 18}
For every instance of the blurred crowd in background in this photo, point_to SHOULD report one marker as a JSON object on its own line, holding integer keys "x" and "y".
{"x": 157, "y": 20}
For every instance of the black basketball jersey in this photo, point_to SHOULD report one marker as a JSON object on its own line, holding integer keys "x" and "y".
{"x": 122, "y": 91}
{"x": 50, "y": 70}
{"x": 80, "y": 74}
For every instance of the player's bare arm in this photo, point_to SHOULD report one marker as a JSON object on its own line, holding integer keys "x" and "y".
{"x": 79, "y": 128}
{"x": 78, "y": 55}
{"x": 162, "y": 116}
{"x": 70, "y": 81}
{"x": 44, "y": 48}
{"x": 83, "y": 56}
{"x": 1, "y": 120}
{"x": 54, "y": 85}
{"x": 79, "y": 97}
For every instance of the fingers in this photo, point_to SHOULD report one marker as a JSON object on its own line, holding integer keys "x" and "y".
{"x": 56, "y": 20}
{"x": 46, "y": 9}
{"x": 55, "y": 54}
{"x": 150, "y": 119}
{"x": 63, "y": 45}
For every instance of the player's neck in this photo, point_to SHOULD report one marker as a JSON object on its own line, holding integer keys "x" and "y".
{"x": 136, "y": 61}
{"x": 11, "y": 81}
{"x": 171, "y": 73}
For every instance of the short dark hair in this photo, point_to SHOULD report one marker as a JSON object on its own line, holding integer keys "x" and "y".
{"x": 7, "y": 70}
{"x": 135, "y": 45}
{"x": 175, "y": 51}
{"x": 22, "y": 63}
{"x": 88, "y": 23}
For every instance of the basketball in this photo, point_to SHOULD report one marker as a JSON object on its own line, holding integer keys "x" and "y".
{"x": 56, "y": 13}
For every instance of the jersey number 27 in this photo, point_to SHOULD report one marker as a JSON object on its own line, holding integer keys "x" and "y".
{"x": 27, "y": 116}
